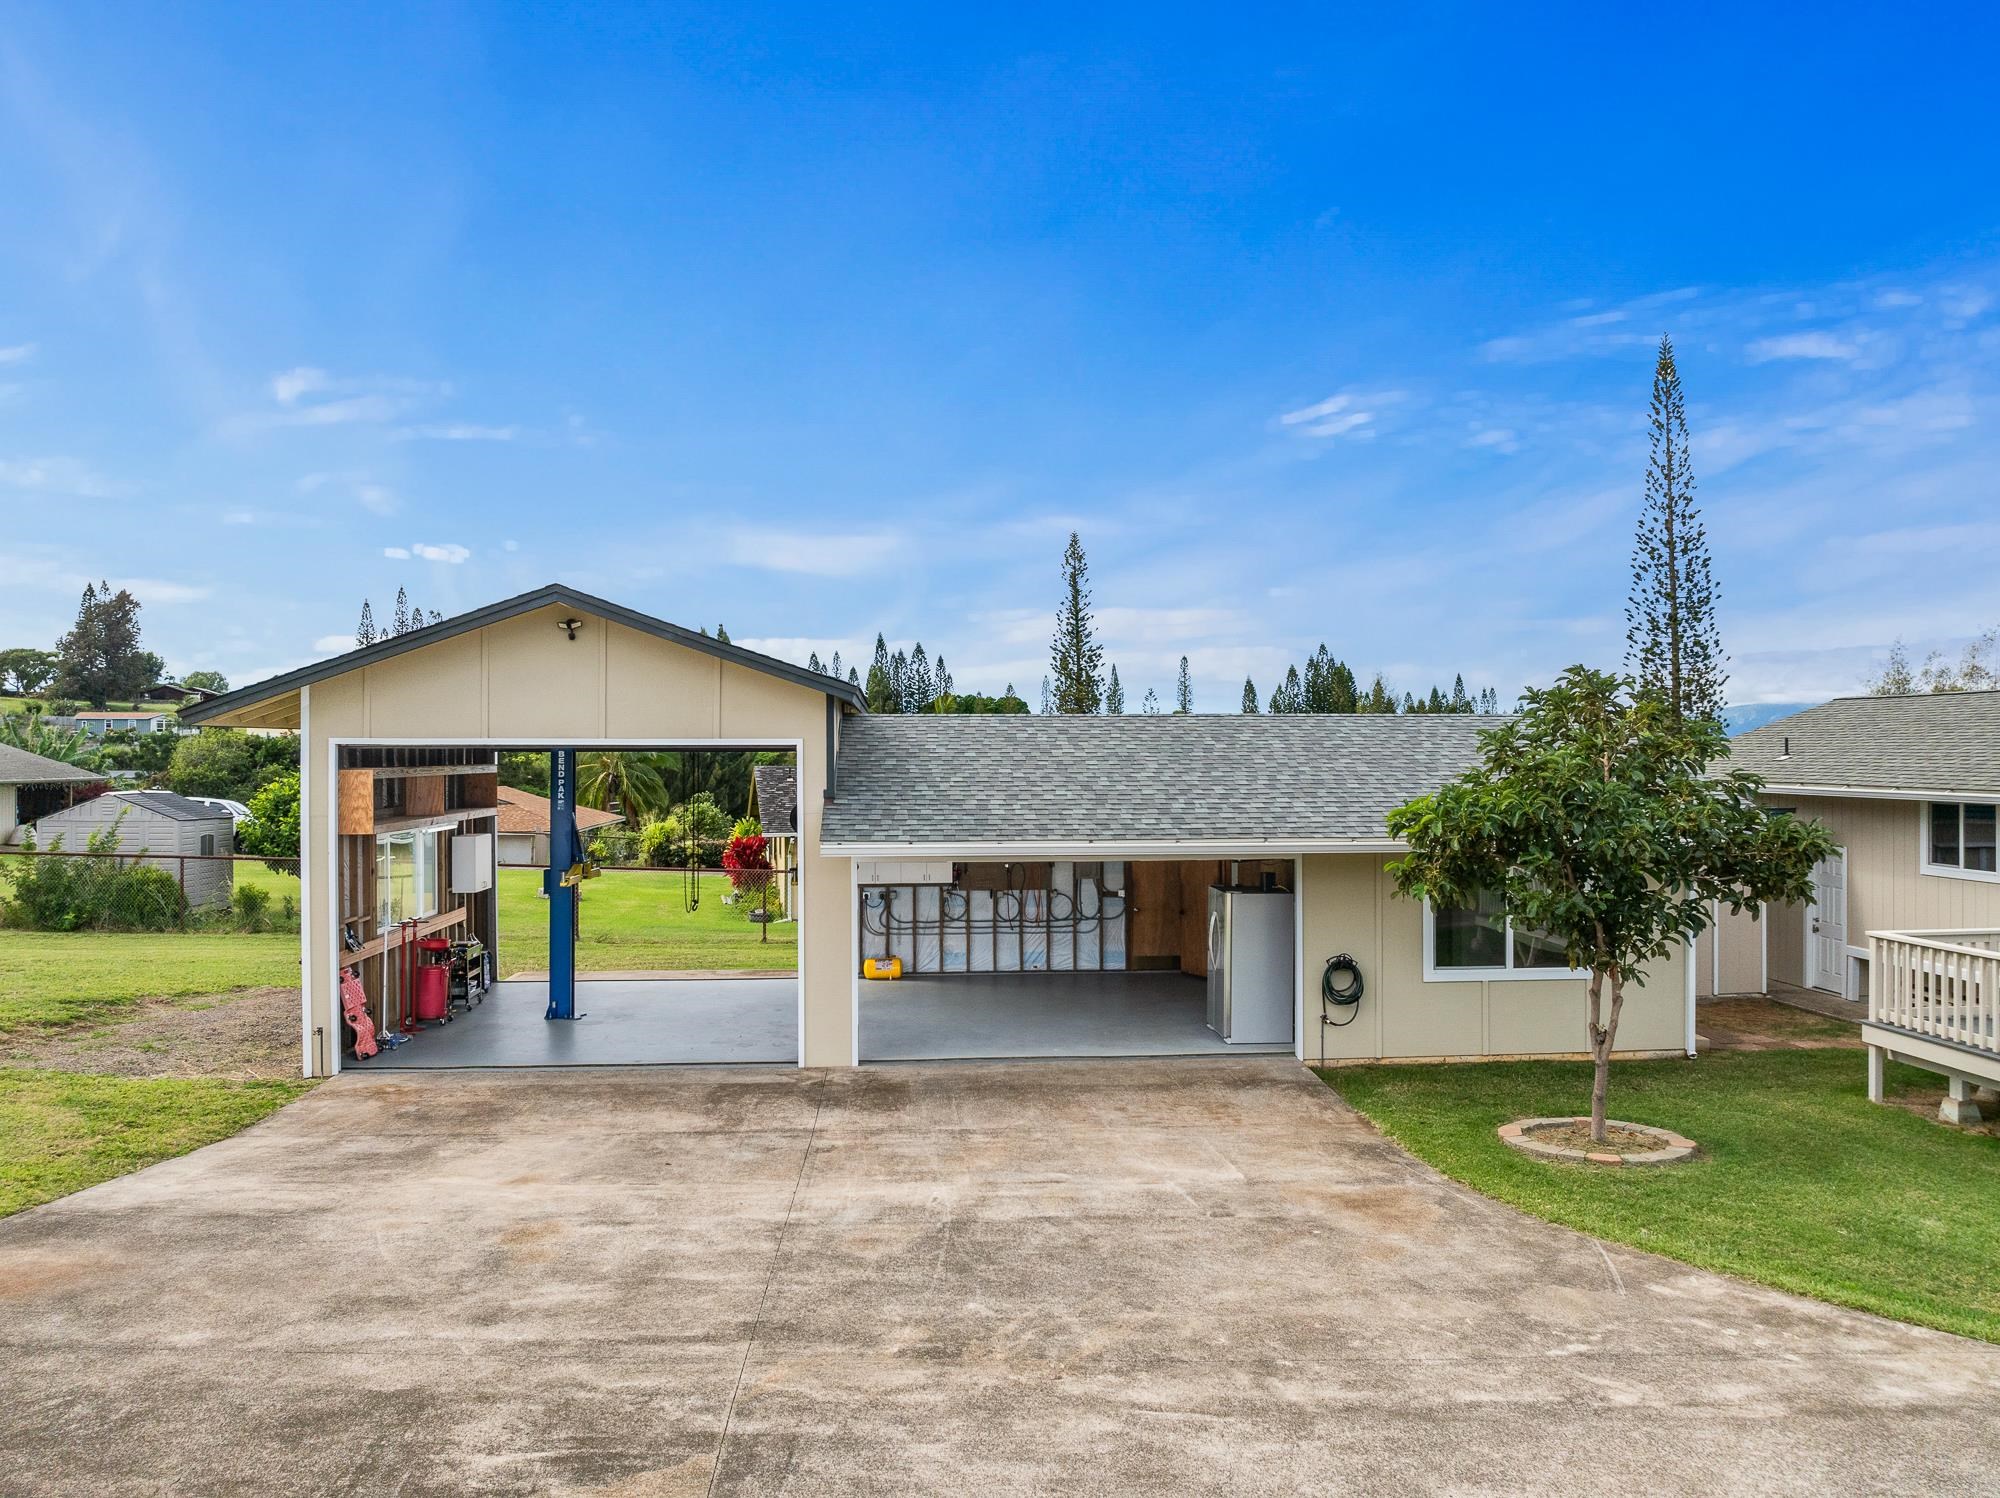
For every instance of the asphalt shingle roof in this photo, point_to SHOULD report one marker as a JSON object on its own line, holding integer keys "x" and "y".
{"x": 1943, "y": 741}
{"x": 1026, "y": 779}
{"x": 525, "y": 812}
{"x": 777, "y": 797}
{"x": 175, "y": 808}
{"x": 19, "y": 767}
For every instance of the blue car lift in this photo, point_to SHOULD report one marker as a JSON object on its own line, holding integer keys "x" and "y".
{"x": 565, "y": 854}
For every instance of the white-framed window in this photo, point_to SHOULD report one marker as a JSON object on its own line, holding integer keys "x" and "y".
{"x": 406, "y": 877}
{"x": 1961, "y": 839}
{"x": 1480, "y": 941}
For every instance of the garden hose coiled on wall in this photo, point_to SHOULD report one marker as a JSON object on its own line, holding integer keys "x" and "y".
{"x": 1337, "y": 994}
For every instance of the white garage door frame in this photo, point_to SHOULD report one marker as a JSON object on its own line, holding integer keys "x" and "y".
{"x": 330, "y": 870}
{"x": 1202, "y": 852}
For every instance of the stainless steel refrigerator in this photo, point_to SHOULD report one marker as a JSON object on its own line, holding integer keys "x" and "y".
{"x": 1250, "y": 965}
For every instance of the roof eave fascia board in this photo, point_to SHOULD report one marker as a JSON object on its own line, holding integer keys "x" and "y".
{"x": 494, "y": 613}
{"x": 966, "y": 852}
{"x": 1879, "y": 793}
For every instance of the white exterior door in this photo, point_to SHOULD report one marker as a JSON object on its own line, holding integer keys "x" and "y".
{"x": 1826, "y": 926}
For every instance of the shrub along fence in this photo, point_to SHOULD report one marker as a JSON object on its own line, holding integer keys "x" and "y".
{"x": 51, "y": 889}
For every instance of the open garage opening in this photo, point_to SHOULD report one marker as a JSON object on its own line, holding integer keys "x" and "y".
{"x": 974, "y": 959}
{"x": 568, "y": 905}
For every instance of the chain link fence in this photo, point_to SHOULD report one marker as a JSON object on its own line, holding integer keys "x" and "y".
{"x": 56, "y": 890}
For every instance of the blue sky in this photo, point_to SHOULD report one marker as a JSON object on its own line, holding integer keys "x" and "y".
{"x": 1318, "y": 325}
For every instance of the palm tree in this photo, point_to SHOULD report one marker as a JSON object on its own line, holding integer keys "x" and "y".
{"x": 28, "y": 731}
{"x": 630, "y": 783}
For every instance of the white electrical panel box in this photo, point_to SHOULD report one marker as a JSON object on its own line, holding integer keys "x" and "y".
{"x": 471, "y": 863}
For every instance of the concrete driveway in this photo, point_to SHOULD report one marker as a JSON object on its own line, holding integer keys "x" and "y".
{"x": 1098, "y": 1277}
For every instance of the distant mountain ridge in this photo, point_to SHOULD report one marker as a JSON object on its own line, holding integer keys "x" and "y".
{"x": 1757, "y": 714}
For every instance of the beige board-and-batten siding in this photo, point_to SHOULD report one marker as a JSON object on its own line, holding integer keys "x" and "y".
{"x": 1729, "y": 956}
{"x": 1348, "y": 903}
{"x": 523, "y": 681}
{"x": 1887, "y": 888}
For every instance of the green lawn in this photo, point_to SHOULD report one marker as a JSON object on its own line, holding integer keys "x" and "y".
{"x": 51, "y": 979}
{"x": 638, "y": 922}
{"x": 1803, "y": 1184}
{"x": 65, "y": 1131}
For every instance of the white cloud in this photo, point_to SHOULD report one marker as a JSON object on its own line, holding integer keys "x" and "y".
{"x": 1893, "y": 298}
{"x": 286, "y": 388}
{"x": 1964, "y": 303}
{"x": 1345, "y": 415}
{"x": 450, "y": 552}
{"x": 56, "y": 476}
{"x": 396, "y": 553}
{"x": 160, "y": 590}
{"x": 18, "y": 353}
{"x": 333, "y": 644}
{"x": 1500, "y": 439}
{"x": 458, "y": 432}
{"x": 1802, "y": 346}
{"x": 378, "y": 499}
{"x": 310, "y": 397}
{"x": 834, "y": 555}
{"x": 510, "y": 545}
{"x": 239, "y": 517}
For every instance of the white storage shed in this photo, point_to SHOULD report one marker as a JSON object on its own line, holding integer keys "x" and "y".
{"x": 187, "y": 839}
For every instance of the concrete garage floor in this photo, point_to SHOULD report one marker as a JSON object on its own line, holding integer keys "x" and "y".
{"x": 1073, "y": 1277}
{"x": 982, "y": 1015}
{"x": 646, "y": 1022}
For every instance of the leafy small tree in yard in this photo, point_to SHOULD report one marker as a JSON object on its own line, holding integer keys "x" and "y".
{"x": 1184, "y": 689}
{"x": 1075, "y": 657}
{"x": 1114, "y": 695}
{"x": 1249, "y": 695}
{"x": 401, "y": 624}
{"x": 272, "y": 830}
{"x": 1671, "y": 641}
{"x": 1149, "y": 705}
{"x": 207, "y": 681}
{"x": 364, "y": 632}
{"x": 27, "y": 670}
{"x": 1593, "y": 816}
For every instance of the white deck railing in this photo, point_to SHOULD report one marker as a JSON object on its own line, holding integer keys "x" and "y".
{"x": 1941, "y": 984}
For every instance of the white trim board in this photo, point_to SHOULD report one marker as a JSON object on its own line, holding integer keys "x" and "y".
{"x": 1876, "y": 793}
{"x": 1435, "y": 974}
{"x": 487, "y": 741}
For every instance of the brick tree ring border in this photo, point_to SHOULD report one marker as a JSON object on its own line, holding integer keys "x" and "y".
{"x": 1520, "y": 1135}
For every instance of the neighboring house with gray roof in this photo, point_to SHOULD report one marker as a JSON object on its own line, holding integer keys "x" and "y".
{"x": 774, "y": 791}
{"x": 32, "y": 785}
{"x": 189, "y": 840}
{"x": 1909, "y": 786}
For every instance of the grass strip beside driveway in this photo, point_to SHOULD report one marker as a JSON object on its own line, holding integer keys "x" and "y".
{"x": 52, "y": 979}
{"x": 64, "y": 1131}
{"x": 1802, "y": 1184}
